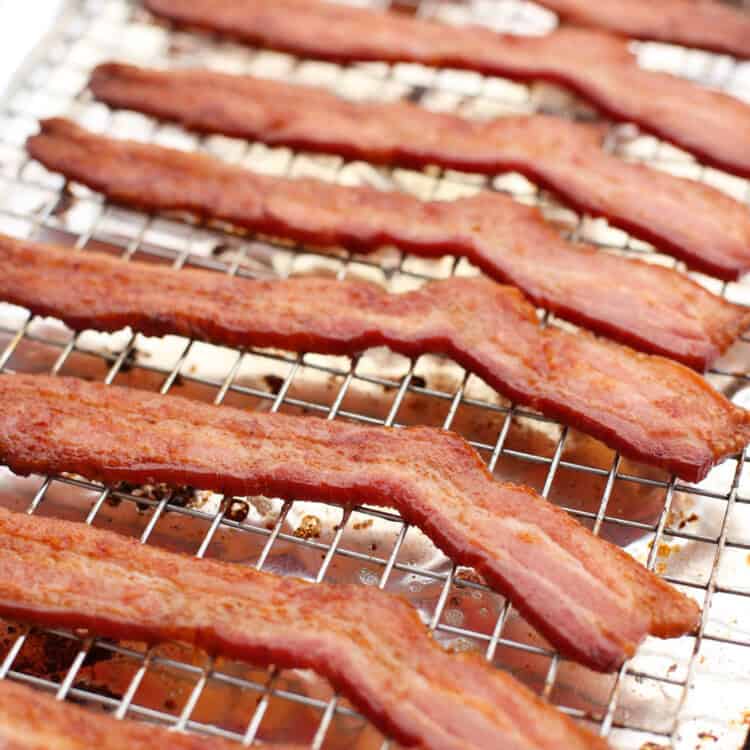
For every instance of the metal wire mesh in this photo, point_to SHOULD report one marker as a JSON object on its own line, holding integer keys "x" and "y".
{"x": 690, "y": 692}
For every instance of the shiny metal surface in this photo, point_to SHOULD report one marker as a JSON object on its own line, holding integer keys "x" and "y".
{"x": 692, "y": 692}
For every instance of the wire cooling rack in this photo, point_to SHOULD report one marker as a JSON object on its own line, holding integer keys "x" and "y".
{"x": 692, "y": 692}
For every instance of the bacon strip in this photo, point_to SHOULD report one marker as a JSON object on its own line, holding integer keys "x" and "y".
{"x": 649, "y": 408}
{"x": 655, "y": 309}
{"x": 694, "y": 222}
{"x": 586, "y": 596}
{"x": 371, "y": 645}
{"x": 598, "y": 66}
{"x": 31, "y": 720}
{"x": 694, "y": 23}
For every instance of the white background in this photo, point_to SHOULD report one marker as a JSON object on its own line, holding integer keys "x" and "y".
{"x": 22, "y": 25}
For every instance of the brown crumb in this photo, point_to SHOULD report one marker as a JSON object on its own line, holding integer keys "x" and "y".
{"x": 361, "y": 525}
{"x": 692, "y": 518}
{"x": 665, "y": 550}
{"x": 653, "y": 746}
{"x": 274, "y": 383}
{"x": 223, "y": 247}
{"x": 237, "y": 510}
{"x": 707, "y": 736}
{"x": 181, "y": 496}
{"x": 310, "y": 527}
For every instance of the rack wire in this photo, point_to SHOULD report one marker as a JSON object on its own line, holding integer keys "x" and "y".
{"x": 689, "y": 692}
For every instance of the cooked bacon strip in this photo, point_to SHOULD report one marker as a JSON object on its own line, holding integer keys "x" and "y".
{"x": 649, "y": 408}
{"x": 655, "y": 309}
{"x": 701, "y": 225}
{"x": 598, "y": 66}
{"x": 32, "y": 720}
{"x": 371, "y": 645}
{"x": 589, "y": 598}
{"x": 694, "y": 23}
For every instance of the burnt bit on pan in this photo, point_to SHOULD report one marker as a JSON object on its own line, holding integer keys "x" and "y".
{"x": 45, "y": 655}
{"x": 237, "y": 510}
{"x": 274, "y": 383}
{"x": 182, "y": 497}
{"x": 97, "y": 654}
{"x": 416, "y": 94}
{"x": 310, "y": 527}
{"x": 222, "y": 247}
{"x": 417, "y": 381}
{"x": 64, "y": 203}
{"x": 129, "y": 361}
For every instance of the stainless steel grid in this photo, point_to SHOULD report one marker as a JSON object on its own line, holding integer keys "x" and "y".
{"x": 691, "y": 692}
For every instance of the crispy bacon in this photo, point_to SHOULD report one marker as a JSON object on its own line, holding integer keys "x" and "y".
{"x": 694, "y": 222}
{"x": 598, "y": 66}
{"x": 32, "y": 720}
{"x": 655, "y": 309}
{"x": 589, "y": 598}
{"x": 371, "y": 645}
{"x": 649, "y": 408}
{"x": 694, "y": 23}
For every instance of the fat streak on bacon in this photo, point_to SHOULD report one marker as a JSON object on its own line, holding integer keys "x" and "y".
{"x": 647, "y": 407}
{"x": 598, "y": 66}
{"x": 371, "y": 645}
{"x": 654, "y": 309}
{"x": 590, "y": 599}
{"x": 32, "y": 720}
{"x": 694, "y": 222}
{"x": 708, "y": 24}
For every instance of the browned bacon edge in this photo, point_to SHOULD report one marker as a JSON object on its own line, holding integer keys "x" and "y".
{"x": 655, "y": 309}
{"x": 586, "y": 596}
{"x": 32, "y": 720}
{"x": 649, "y": 408}
{"x": 708, "y": 24}
{"x": 692, "y": 221}
{"x": 598, "y": 66}
{"x": 371, "y": 645}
